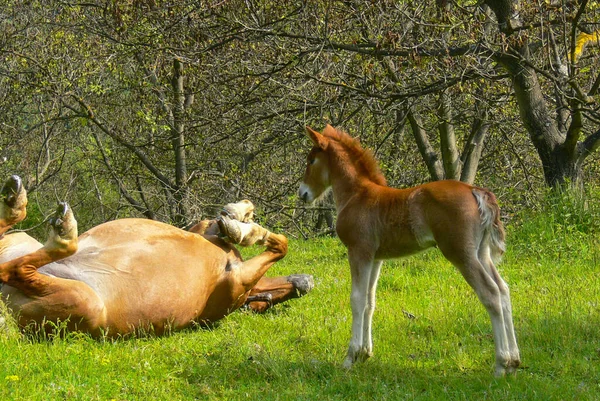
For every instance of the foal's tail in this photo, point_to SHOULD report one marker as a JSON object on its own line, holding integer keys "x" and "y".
{"x": 490, "y": 220}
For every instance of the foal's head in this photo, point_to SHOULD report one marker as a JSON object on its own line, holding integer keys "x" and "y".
{"x": 338, "y": 150}
{"x": 316, "y": 177}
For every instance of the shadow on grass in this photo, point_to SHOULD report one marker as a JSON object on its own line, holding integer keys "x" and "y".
{"x": 265, "y": 378}
{"x": 560, "y": 353}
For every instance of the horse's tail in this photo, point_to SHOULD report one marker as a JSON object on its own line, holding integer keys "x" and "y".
{"x": 490, "y": 220}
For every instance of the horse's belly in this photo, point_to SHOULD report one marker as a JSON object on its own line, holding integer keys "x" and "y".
{"x": 164, "y": 283}
{"x": 401, "y": 243}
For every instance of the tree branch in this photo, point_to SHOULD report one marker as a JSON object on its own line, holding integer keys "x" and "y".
{"x": 450, "y": 158}
{"x": 595, "y": 86}
{"x": 588, "y": 146}
{"x": 574, "y": 131}
{"x": 580, "y": 11}
{"x": 139, "y": 154}
{"x": 432, "y": 162}
{"x": 474, "y": 144}
{"x": 506, "y": 14}
{"x": 374, "y": 49}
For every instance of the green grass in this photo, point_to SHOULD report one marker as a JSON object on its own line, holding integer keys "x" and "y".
{"x": 295, "y": 351}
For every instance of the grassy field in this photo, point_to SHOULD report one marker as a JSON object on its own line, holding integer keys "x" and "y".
{"x": 433, "y": 339}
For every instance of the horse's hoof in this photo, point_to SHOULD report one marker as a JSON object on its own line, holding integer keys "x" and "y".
{"x": 11, "y": 190}
{"x": 303, "y": 283}
{"x": 62, "y": 221}
{"x": 229, "y": 229}
{"x": 241, "y": 211}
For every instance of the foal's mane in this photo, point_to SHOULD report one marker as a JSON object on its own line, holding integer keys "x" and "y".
{"x": 361, "y": 158}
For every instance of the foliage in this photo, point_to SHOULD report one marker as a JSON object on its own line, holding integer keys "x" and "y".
{"x": 562, "y": 218}
{"x": 94, "y": 113}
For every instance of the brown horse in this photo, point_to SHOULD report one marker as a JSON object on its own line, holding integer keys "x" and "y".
{"x": 133, "y": 275}
{"x": 376, "y": 222}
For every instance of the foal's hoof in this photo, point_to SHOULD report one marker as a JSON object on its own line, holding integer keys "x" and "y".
{"x": 11, "y": 191}
{"x": 348, "y": 363}
{"x": 503, "y": 371}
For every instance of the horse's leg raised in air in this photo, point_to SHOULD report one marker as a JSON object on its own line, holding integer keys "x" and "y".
{"x": 13, "y": 205}
{"x": 361, "y": 268}
{"x": 246, "y": 234}
{"x": 50, "y": 298}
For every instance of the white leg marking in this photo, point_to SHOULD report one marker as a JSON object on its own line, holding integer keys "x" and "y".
{"x": 361, "y": 268}
{"x": 513, "y": 348}
{"x": 368, "y": 322}
{"x": 489, "y": 294}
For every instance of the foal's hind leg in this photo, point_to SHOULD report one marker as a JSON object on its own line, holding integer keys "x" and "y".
{"x": 515, "y": 359}
{"x": 490, "y": 296}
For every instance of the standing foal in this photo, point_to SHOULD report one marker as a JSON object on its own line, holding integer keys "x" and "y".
{"x": 376, "y": 222}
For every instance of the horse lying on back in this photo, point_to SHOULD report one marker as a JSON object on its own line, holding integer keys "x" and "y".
{"x": 376, "y": 222}
{"x": 132, "y": 275}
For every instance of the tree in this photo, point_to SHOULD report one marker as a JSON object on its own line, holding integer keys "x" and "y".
{"x": 459, "y": 44}
{"x": 556, "y": 125}
{"x": 169, "y": 110}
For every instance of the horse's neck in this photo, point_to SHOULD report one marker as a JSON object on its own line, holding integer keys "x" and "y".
{"x": 347, "y": 183}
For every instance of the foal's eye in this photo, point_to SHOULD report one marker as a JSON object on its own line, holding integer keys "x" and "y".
{"x": 312, "y": 161}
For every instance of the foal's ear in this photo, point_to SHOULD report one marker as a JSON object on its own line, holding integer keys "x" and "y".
{"x": 317, "y": 139}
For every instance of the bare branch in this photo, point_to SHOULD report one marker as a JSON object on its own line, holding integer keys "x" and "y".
{"x": 588, "y": 146}
{"x": 429, "y": 156}
{"x": 140, "y": 155}
{"x": 144, "y": 210}
{"x": 450, "y": 158}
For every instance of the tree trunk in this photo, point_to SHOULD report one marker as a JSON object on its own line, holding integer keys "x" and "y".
{"x": 180, "y": 193}
{"x": 429, "y": 156}
{"x": 474, "y": 145}
{"x": 450, "y": 157}
{"x": 558, "y": 151}
{"x": 557, "y": 157}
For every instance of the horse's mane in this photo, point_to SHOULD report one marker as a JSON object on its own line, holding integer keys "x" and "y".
{"x": 360, "y": 157}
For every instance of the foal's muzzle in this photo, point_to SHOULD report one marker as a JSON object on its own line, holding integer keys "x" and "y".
{"x": 304, "y": 193}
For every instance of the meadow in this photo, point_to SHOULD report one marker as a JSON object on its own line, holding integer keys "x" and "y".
{"x": 433, "y": 339}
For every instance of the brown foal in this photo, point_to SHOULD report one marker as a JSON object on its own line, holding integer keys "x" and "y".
{"x": 376, "y": 222}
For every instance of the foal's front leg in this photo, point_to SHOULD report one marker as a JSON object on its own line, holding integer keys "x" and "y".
{"x": 368, "y": 320}
{"x": 361, "y": 268}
